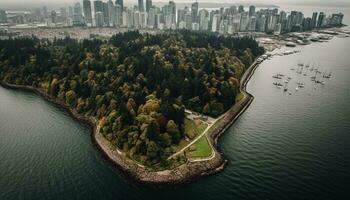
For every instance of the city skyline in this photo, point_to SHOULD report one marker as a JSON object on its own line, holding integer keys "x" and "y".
{"x": 32, "y": 3}
{"x": 146, "y": 15}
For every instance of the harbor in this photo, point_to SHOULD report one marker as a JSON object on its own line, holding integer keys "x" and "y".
{"x": 301, "y": 76}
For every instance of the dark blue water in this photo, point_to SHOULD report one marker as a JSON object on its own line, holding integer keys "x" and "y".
{"x": 283, "y": 147}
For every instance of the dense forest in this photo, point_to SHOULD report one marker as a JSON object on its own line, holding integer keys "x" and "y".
{"x": 137, "y": 85}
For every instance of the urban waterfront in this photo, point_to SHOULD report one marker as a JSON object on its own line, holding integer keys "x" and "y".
{"x": 282, "y": 147}
{"x": 145, "y": 15}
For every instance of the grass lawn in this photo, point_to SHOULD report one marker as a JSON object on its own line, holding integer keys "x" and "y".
{"x": 194, "y": 128}
{"x": 239, "y": 97}
{"x": 199, "y": 149}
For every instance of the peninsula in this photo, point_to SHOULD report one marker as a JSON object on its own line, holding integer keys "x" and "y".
{"x": 157, "y": 103}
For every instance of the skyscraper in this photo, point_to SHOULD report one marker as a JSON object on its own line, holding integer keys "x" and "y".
{"x": 3, "y": 16}
{"x": 181, "y": 15}
{"x": 98, "y": 6}
{"x": 336, "y": 19}
{"x": 53, "y": 17}
{"x": 172, "y": 9}
{"x": 320, "y": 20}
{"x": 120, "y": 2}
{"x": 45, "y": 13}
{"x": 105, "y": 13}
{"x": 70, "y": 12}
{"x": 87, "y": 11}
{"x": 148, "y": 5}
{"x": 99, "y": 19}
{"x": 251, "y": 11}
{"x": 314, "y": 20}
{"x": 261, "y": 24}
{"x": 111, "y": 13}
{"x": 252, "y": 24}
{"x": 63, "y": 13}
{"x": 151, "y": 18}
{"x": 240, "y": 9}
{"x": 194, "y": 12}
{"x": 215, "y": 23}
{"x": 78, "y": 15}
{"x": 141, "y": 6}
{"x": 119, "y": 15}
{"x": 244, "y": 22}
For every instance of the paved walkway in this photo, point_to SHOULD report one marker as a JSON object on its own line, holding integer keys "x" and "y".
{"x": 212, "y": 122}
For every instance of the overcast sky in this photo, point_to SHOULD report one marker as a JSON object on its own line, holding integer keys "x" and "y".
{"x": 227, "y": 1}
{"x": 266, "y": 1}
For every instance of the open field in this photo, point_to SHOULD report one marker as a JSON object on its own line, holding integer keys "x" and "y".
{"x": 199, "y": 149}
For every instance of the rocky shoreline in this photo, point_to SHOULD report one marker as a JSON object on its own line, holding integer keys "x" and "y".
{"x": 184, "y": 173}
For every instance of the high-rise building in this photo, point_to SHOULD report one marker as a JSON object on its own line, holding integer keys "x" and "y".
{"x": 130, "y": 18}
{"x": 307, "y": 24}
{"x": 53, "y": 17}
{"x": 78, "y": 15}
{"x": 3, "y": 16}
{"x": 148, "y": 5}
{"x": 98, "y": 6}
{"x": 244, "y": 22}
{"x": 151, "y": 19}
{"x": 63, "y": 14}
{"x": 194, "y": 12}
{"x": 283, "y": 16}
{"x": 111, "y": 13}
{"x": 143, "y": 20}
{"x": 121, "y": 3}
{"x": 320, "y": 20}
{"x": 105, "y": 12}
{"x": 119, "y": 15}
{"x": 45, "y": 13}
{"x": 272, "y": 20}
{"x": 336, "y": 19}
{"x": 70, "y": 12}
{"x": 232, "y": 10}
{"x": 124, "y": 18}
{"x": 188, "y": 20}
{"x": 137, "y": 19}
{"x": 99, "y": 19}
{"x": 261, "y": 24}
{"x": 203, "y": 19}
{"x": 251, "y": 11}
{"x": 141, "y": 6}
{"x": 87, "y": 11}
{"x": 215, "y": 23}
{"x": 172, "y": 6}
{"x": 240, "y": 9}
{"x": 236, "y": 22}
{"x": 252, "y": 24}
{"x": 181, "y": 15}
{"x": 314, "y": 20}
{"x": 278, "y": 29}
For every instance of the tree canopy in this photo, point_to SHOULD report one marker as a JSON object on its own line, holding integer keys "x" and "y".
{"x": 137, "y": 85}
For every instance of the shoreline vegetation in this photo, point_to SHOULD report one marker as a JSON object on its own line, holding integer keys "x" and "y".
{"x": 183, "y": 172}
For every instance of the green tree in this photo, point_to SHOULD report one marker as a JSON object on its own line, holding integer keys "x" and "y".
{"x": 71, "y": 98}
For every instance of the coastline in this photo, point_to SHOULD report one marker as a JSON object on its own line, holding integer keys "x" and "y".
{"x": 184, "y": 173}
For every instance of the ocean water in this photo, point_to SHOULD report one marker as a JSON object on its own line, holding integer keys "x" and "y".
{"x": 283, "y": 147}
